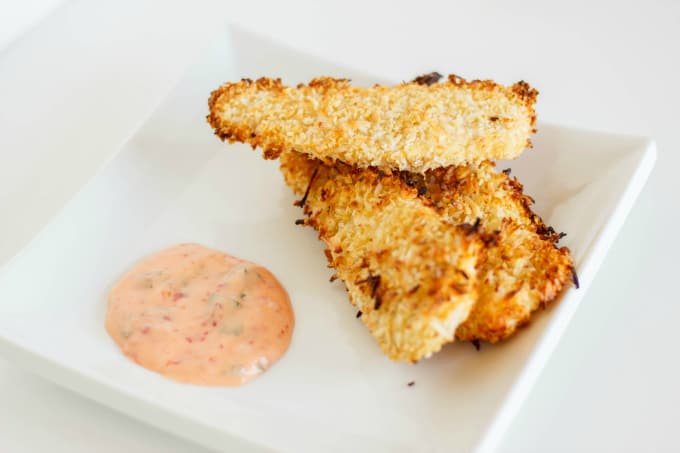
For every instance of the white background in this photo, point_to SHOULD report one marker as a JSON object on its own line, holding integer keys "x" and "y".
{"x": 74, "y": 86}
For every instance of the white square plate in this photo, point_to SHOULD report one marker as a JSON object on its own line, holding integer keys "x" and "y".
{"x": 173, "y": 181}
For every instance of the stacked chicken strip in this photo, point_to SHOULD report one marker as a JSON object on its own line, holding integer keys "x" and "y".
{"x": 432, "y": 242}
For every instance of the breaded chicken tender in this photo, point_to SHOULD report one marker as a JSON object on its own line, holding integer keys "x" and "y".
{"x": 414, "y": 126}
{"x": 410, "y": 273}
{"x": 521, "y": 268}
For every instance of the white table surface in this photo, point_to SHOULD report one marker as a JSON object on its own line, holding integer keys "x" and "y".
{"x": 82, "y": 79}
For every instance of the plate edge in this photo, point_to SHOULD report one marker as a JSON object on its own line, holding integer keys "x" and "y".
{"x": 530, "y": 372}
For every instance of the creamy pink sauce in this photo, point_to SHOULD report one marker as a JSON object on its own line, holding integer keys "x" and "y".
{"x": 201, "y": 316}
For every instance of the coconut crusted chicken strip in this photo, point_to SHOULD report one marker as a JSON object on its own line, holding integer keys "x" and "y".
{"x": 411, "y": 275}
{"x": 413, "y": 126}
{"x": 521, "y": 268}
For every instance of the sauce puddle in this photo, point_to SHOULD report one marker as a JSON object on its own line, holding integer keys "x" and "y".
{"x": 200, "y": 316}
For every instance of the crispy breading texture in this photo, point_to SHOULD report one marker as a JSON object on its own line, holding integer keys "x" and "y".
{"x": 411, "y": 126}
{"x": 521, "y": 268}
{"x": 410, "y": 274}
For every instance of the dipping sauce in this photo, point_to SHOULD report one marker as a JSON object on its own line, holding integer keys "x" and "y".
{"x": 197, "y": 315}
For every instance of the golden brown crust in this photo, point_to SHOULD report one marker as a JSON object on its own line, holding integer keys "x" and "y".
{"x": 410, "y": 274}
{"x": 410, "y": 126}
{"x": 521, "y": 268}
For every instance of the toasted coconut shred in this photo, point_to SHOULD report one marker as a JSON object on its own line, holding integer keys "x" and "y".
{"x": 411, "y": 126}
{"x": 522, "y": 268}
{"x": 432, "y": 242}
{"x": 384, "y": 242}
